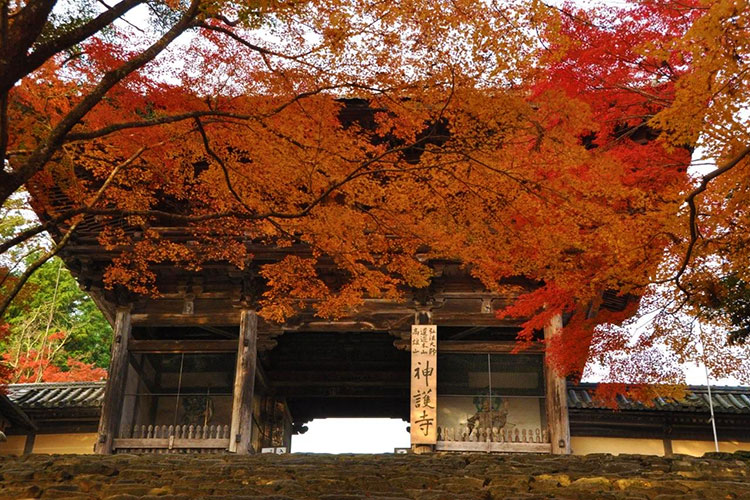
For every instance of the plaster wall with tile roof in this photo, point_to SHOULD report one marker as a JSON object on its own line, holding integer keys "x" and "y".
{"x": 67, "y": 414}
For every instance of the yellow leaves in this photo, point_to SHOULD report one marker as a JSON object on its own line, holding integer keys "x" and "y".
{"x": 709, "y": 96}
{"x": 413, "y": 272}
{"x": 291, "y": 283}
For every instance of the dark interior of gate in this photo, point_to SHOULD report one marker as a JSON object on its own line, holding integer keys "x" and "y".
{"x": 339, "y": 374}
{"x": 352, "y": 374}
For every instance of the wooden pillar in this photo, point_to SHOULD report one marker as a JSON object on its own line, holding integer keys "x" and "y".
{"x": 129, "y": 400}
{"x": 667, "y": 440}
{"x": 556, "y": 398}
{"x": 244, "y": 385}
{"x": 109, "y": 422}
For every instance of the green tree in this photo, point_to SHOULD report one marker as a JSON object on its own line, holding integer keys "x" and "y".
{"x": 54, "y": 303}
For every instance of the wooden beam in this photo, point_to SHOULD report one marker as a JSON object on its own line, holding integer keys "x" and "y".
{"x": 342, "y": 392}
{"x": 218, "y": 331}
{"x": 556, "y": 400}
{"x": 109, "y": 422}
{"x": 222, "y": 318}
{"x": 176, "y": 443}
{"x": 483, "y": 346}
{"x": 468, "y": 332}
{"x": 181, "y": 346}
{"x": 493, "y": 447}
{"x": 376, "y": 378}
{"x": 240, "y": 441}
{"x": 500, "y": 346}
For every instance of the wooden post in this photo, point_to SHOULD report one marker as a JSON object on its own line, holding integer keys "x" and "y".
{"x": 244, "y": 385}
{"x": 129, "y": 399}
{"x": 556, "y": 400}
{"x": 667, "y": 440}
{"x": 109, "y": 422}
{"x": 28, "y": 445}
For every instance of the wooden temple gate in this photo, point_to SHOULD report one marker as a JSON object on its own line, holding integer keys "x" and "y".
{"x": 236, "y": 388}
{"x": 196, "y": 360}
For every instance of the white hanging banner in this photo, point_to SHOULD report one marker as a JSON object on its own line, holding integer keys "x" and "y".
{"x": 423, "y": 384}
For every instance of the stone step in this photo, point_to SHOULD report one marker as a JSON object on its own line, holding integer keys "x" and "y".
{"x": 374, "y": 477}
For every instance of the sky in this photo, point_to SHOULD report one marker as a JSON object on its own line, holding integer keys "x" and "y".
{"x": 352, "y": 435}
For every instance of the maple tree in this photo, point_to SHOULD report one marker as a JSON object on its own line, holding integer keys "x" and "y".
{"x": 521, "y": 139}
{"x": 32, "y": 366}
{"x": 697, "y": 86}
{"x": 54, "y": 332}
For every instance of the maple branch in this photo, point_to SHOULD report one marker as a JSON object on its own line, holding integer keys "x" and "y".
{"x": 573, "y": 17}
{"x": 360, "y": 171}
{"x": 693, "y": 215}
{"x": 221, "y": 163}
{"x": 4, "y": 96}
{"x": 163, "y": 120}
{"x": 645, "y": 94}
{"x": 257, "y": 48}
{"x": 109, "y": 7}
{"x": 10, "y": 182}
{"x": 357, "y": 172}
{"x": 29, "y": 271}
{"x": 520, "y": 181}
{"x": 62, "y": 217}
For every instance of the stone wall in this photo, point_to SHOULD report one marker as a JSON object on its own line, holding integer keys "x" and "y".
{"x": 375, "y": 477}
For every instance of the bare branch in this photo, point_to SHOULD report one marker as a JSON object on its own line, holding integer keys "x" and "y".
{"x": 257, "y": 48}
{"x": 693, "y": 212}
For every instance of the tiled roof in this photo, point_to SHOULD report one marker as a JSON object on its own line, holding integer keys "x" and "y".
{"x": 725, "y": 400}
{"x": 14, "y": 414}
{"x": 57, "y": 395}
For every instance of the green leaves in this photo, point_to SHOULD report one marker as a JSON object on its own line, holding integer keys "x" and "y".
{"x": 52, "y": 303}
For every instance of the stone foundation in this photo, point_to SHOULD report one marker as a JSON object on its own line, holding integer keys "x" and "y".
{"x": 375, "y": 477}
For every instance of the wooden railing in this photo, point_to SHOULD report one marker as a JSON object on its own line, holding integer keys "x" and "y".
{"x": 175, "y": 439}
{"x": 531, "y": 440}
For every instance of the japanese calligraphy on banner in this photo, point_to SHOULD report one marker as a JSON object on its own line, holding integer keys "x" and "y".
{"x": 423, "y": 384}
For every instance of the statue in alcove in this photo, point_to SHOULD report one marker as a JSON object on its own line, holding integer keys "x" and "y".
{"x": 492, "y": 412}
{"x": 197, "y": 410}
